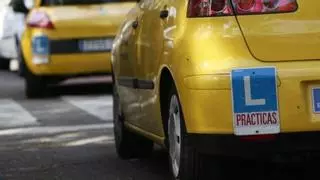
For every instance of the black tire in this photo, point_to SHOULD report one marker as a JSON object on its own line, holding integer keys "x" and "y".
{"x": 35, "y": 86}
{"x": 4, "y": 63}
{"x": 128, "y": 144}
{"x": 191, "y": 163}
{"x": 21, "y": 63}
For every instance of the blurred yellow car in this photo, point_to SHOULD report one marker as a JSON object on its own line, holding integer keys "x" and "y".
{"x": 68, "y": 38}
{"x": 221, "y": 77}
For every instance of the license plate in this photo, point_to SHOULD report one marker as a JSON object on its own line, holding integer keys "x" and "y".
{"x": 316, "y": 100}
{"x": 40, "y": 45}
{"x": 95, "y": 45}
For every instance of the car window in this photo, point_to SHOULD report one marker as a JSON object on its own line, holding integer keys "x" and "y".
{"x": 78, "y": 2}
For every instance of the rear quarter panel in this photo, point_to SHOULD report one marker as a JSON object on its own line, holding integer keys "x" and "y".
{"x": 204, "y": 46}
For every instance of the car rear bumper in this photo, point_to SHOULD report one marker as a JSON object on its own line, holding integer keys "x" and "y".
{"x": 283, "y": 147}
{"x": 73, "y": 64}
{"x": 207, "y": 100}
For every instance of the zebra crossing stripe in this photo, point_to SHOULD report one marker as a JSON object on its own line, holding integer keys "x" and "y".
{"x": 53, "y": 129}
{"x": 90, "y": 140}
{"x": 100, "y": 106}
{"x": 13, "y": 114}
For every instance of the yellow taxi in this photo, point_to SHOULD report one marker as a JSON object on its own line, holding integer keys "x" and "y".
{"x": 218, "y": 77}
{"x": 68, "y": 38}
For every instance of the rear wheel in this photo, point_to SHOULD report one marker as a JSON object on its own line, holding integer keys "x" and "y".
{"x": 21, "y": 63}
{"x": 185, "y": 161}
{"x": 4, "y": 63}
{"x": 128, "y": 144}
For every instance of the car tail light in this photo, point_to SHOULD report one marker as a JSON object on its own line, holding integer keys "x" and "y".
{"x": 40, "y": 19}
{"x": 209, "y": 8}
{"x": 264, "y": 6}
{"x": 246, "y": 4}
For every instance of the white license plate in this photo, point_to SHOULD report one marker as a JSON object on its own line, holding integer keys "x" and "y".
{"x": 95, "y": 45}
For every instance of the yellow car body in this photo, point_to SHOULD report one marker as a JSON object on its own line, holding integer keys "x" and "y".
{"x": 70, "y": 25}
{"x": 200, "y": 55}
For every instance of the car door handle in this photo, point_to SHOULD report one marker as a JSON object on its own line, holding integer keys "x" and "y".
{"x": 164, "y": 14}
{"x": 135, "y": 24}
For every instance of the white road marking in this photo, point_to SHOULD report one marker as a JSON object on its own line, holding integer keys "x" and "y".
{"x": 53, "y": 129}
{"x": 13, "y": 114}
{"x": 82, "y": 142}
{"x": 98, "y": 106}
{"x": 50, "y": 109}
{"x": 87, "y": 80}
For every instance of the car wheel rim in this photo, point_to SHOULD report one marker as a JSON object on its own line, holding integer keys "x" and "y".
{"x": 174, "y": 135}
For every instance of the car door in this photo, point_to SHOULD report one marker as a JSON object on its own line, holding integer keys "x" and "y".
{"x": 125, "y": 72}
{"x": 149, "y": 53}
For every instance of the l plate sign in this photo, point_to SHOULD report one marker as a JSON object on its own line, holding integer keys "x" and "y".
{"x": 255, "y": 101}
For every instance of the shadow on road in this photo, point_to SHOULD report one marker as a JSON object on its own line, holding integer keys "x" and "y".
{"x": 83, "y": 86}
{"x": 82, "y": 89}
{"x": 12, "y": 86}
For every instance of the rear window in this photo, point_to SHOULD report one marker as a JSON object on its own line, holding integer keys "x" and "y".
{"x": 79, "y": 2}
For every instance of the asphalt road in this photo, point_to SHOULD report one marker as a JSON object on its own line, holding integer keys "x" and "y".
{"x": 69, "y": 136}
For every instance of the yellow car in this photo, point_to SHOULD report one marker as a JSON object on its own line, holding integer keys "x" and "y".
{"x": 221, "y": 77}
{"x": 68, "y": 38}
